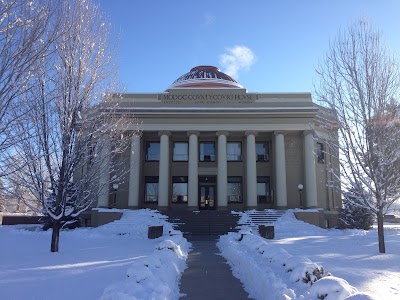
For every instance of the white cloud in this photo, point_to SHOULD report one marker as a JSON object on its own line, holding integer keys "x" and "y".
{"x": 236, "y": 59}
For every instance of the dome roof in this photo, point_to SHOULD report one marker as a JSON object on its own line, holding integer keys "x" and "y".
{"x": 205, "y": 77}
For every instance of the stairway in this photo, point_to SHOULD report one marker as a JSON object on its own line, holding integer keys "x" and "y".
{"x": 255, "y": 218}
{"x": 203, "y": 223}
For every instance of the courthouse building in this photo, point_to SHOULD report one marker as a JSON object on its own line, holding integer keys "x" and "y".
{"x": 207, "y": 143}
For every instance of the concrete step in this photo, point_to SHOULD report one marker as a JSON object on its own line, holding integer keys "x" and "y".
{"x": 203, "y": 222}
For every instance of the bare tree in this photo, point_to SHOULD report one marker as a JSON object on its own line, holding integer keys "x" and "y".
{"x": 71, "y": 118}
{"x": 25, "y": 37}
{"x": 359, "y": 81}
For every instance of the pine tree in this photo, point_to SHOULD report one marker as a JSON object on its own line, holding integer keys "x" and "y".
{"x": 355, "y": 214}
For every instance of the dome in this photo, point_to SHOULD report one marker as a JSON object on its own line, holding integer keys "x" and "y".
{"x": 205, "y": 77}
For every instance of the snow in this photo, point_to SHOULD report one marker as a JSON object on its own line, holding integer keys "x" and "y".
{"x": 93, "y": 263}
{"x": 307, "y": 262}
{"x": 332, "y": 288}
{"x": 118, "y": 262}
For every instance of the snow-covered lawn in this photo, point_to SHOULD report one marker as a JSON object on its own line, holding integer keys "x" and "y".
{"x": 352, "y": 255}
{"x": 93, "y": 263}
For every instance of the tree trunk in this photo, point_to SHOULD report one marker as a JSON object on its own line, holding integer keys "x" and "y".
{"x": 381, "y": 233}
{"x": 55, "y": 236}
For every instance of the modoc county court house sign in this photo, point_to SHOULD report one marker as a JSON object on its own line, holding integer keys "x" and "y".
{"x": 207, "y": 143}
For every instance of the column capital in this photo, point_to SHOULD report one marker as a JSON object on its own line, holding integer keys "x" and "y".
{"x": 218, "y": 133}
{"x": 164, "y": 132}
{"x": 307, "y": 132}
{"x": 193, "y": 132}
{"x": 249, "y": 132}
{"x": 280, "y": 132}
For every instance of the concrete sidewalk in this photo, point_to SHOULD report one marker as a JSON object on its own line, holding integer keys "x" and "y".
{"x": 208, "y": 276}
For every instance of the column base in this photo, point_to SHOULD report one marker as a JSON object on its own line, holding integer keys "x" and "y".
{"x": 251, "y": 207}
{"x": 192, "y": 208}
{"x": 162, "y": 207}
{"x": 133, "y": 207}
{"x": 281, "y": 207}
{"x": 222, "y": 208}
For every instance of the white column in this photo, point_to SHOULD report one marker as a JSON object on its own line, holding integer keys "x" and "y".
{"x": 280, "y": 170}
{"x": 104, "y": 176}
{"x": 310, "y": 177}
{"x": 222, "y": 175}
{"x": 251, "y": 166}
{"x": 163, "y": 179}
{"x": 193, "y": 178}
{"x": 134, "y": 173}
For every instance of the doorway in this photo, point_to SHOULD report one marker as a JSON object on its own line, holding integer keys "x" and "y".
{"x": 207, "y": 192}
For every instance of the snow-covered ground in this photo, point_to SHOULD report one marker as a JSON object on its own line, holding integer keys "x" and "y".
{"x": 270, "y": 269}
{"x": 93, "y": 263}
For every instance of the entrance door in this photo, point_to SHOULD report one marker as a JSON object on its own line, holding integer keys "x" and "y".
{"x": 206, "y": 197}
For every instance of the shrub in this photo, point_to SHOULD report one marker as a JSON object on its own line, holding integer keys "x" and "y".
{"x": 355, "y": 214}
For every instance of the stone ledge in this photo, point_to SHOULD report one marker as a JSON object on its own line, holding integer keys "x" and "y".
{"x": 320, "y": 218}
{"x": 99, "y": 218}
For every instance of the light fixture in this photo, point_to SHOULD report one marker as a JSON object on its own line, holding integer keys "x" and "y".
{"x": 300, "y": 187}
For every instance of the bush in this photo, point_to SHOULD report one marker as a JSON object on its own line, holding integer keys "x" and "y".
{"x": 355, "y": 214}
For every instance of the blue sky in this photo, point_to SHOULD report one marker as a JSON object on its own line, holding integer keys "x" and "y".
{"x": 268, "y": 46}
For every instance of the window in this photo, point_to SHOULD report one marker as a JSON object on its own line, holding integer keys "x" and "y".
{"x": 151, "y": 189}
{"x": 234, "y": 189}
{"x": 262, "y": 151}
{"x": 234, "y": 151}
{"x": 207, "y": 151}
{"x": 181, "y": 151}
{"x": 179, "y": 189}
{"x": 153, "y": 151}
{"x": 263, "y": 190}
{"x": 320, "y": 153}
{"x": 91, "y": 153}
{"x": 92, "y": 150}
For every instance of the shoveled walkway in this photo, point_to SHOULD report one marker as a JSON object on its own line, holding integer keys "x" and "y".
{"x": 208, "y": 276}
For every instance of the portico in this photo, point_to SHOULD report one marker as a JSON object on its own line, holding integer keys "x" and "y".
{"x": 207, "y": 143}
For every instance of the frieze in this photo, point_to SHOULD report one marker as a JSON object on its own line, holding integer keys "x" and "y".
{"x": 204, "y": 99}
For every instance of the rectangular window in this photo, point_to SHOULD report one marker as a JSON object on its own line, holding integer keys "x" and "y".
{"x": 151, "y": 189}
{"x": 153, "y": 151}
{"x": 234, "y": 189}
{"x": 234, "y": 151}
{"x": 263, "y": 189}
{"x": 320, "y": 153}
{"x": 179, "y": 189}
{"x": 91, "y": 153}
{"x": 262, "y": 151}
{"x": 207, "y": 151}
{"x": 181, "y": 151}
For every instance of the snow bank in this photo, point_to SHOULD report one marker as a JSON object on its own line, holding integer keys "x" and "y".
{"x": 135, "y": 223}
{"x": 268, "y": 271}
{"x": 155, "y": 276}
{"x": 94, "y": 262}
{"x": 259, "y": 280}
{"x": 332, "y": 288}
{"x": 360, "y": 296}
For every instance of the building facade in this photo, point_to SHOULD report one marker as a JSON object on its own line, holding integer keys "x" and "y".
{"x": 207, "y": 143}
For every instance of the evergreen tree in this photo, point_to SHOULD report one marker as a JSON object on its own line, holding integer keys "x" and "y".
{"x": 355, "y": 214}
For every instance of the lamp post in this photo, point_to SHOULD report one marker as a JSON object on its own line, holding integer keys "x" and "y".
{"x": 115, "y": 188}
{"x": 300, "y": 188}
